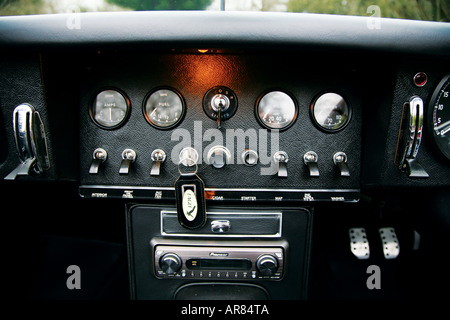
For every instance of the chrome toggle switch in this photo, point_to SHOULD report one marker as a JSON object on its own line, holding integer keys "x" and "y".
{"x": 128, "y": 158}
{"x": 281, "y": 158}
{"x": 310, "y": 159}
{"x": 158, "y": 156}
{"x": 340, "y": 160}
{"x": 99, "y": 156}
{"x": 31, "y": 142}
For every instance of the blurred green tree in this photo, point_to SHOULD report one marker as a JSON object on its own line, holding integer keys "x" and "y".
{"x": 141, "y": 5}
{"x": 18, "y": 7}
{"x": 435, "y": 10}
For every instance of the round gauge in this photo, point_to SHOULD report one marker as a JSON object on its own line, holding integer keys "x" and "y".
{"x": 439, "y": 116}
{"x": 331, "y": 112}
{"x": 110, "y": 109}
{"x": 164, "y": 108}
{"x": 276, "y": 110}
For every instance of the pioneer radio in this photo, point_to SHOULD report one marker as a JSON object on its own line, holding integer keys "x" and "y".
{"x": 219, "y": 263}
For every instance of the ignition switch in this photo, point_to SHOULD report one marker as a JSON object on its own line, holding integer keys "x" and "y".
{"x": 220, "y": 104}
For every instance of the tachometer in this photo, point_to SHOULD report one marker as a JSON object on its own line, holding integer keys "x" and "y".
{"x": 164, "y": 108}
{"x": 439, "y": 116}
{"x": 276, "y": 110}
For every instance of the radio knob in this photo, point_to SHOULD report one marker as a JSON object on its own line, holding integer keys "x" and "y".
{"x": 170, "y": 263}
{"x": 267, "y": 265}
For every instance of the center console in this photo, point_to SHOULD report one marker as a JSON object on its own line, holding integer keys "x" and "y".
{"x": 245, "y": 254}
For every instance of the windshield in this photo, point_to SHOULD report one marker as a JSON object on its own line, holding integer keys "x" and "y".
{"x": 434, "y": 10}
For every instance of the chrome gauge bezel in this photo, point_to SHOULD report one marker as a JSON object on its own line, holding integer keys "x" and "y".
{"x": 262, "y": 122}
{"x": 320, "y": 125}
{"x": 92, "y": 107}
{"x": 172, "y": 125}
{"x": 433, "y": 104}
{"x": 228, "y": 94}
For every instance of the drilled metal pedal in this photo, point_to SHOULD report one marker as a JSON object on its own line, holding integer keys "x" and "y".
{"x": 391, "y": 246}
{"x": 359, "y": 245}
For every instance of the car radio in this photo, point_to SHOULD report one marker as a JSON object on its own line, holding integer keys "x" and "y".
{"x": 258, "y": 252}
{"x": 218, "y": 263}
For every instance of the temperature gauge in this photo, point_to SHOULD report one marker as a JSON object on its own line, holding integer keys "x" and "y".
{"x": 276, "y": 110}
{"x": 331, "y": 112}
{"x": 164, "y": 108}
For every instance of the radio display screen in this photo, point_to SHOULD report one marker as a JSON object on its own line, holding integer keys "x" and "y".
{"x": 219, "y": 264}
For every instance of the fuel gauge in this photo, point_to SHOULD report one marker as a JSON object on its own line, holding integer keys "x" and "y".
{"x": 164, "y": 108}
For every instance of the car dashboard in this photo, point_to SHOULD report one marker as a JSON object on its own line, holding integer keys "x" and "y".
{"x": 225, "y": 155}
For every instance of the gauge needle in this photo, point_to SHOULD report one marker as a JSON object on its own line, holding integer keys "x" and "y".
{"x": 443, "y": 127}
{"x": 445, "y": 131}
{"x": 154, "y": 110}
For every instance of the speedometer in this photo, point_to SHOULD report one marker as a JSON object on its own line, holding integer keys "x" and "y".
{"x": 439, "y": 116}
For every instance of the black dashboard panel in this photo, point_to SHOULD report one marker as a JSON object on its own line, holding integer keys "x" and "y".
{"x": 302, "y": 53}
{"x": 249, "y": 76}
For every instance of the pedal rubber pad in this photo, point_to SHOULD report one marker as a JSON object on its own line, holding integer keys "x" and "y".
{"x": 359, "y": 245}
{"x": 391, "y": 246}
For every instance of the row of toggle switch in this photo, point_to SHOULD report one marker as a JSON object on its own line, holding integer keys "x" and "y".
{"x": 100, "y": 155}
{"x": 218, "y": 157}
{"x": 310, "y": 159}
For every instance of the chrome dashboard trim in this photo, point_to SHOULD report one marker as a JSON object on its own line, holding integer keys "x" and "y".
{"x": 219, "y": 195}
{"x": 224, "y": 235}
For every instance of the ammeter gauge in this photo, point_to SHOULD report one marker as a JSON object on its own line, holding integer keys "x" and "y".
{"x": 110, "y": 108}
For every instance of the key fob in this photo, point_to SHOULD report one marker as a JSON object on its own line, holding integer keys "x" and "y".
{"x": 190, "y": 198}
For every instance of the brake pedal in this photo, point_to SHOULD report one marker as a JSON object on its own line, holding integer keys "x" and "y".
{"x": 359, "y": 244}
{"x": 391, "y": 246}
